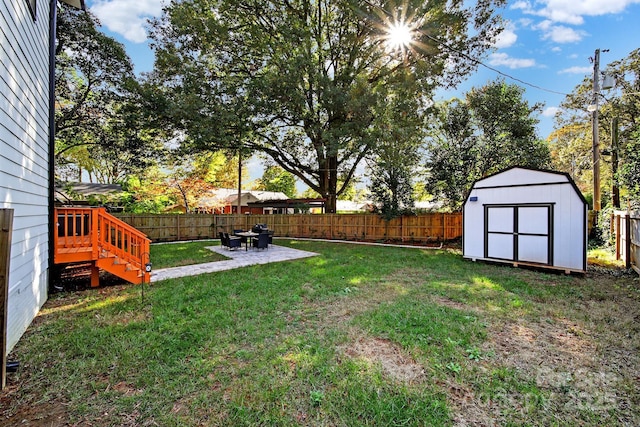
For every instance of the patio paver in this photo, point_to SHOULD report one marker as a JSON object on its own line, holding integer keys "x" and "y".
{"x": 239, "y": 258}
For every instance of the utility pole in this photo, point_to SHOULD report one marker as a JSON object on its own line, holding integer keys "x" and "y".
{"x": 596, "y": 138}
{"x": 596, "y": 141}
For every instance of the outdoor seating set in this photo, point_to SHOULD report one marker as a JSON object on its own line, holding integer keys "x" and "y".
{"x": 260, "y": 237}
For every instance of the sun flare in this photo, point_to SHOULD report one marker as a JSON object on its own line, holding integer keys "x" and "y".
{"x": 399, "y": 36}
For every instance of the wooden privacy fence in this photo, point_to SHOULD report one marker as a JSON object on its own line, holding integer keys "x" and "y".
{"x": 626, "y": 227}
{"x": 423, "y": 228}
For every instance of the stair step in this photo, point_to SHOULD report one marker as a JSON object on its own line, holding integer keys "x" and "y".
{"x": 114, "y": 253}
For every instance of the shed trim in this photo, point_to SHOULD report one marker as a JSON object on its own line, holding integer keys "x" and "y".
{"x": 565, "y": 174}
{"x": 538, "y": 184}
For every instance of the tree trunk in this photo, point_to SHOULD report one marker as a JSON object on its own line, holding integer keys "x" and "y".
{"x": 328, "y": 182}
{"x": 332, "y": 162}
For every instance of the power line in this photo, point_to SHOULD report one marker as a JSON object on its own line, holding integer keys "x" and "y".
{"x": 495, "y": 70}
{"x": 474, "y": 60}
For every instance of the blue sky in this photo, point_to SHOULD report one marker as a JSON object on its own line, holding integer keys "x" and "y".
{"x": 547, "y": 43}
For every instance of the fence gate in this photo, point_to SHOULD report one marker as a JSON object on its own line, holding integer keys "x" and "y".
{"x": 519, "y": 233}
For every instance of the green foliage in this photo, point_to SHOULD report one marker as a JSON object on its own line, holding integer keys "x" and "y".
{"x": 102, "y": 124}
{"x": 630, "y": 169}
{"x": 98, "y": 119}
{"x": 146, "y": 193}
{"x": 492, "y": 129}
{"x": 303, "y": 80}
{"x": 572, "y": 149}
{"x": 277, "y": 179}
{"x": 391, "y": 189}
{"x": 395, "y": 157}
{"x": 571, "y": 152}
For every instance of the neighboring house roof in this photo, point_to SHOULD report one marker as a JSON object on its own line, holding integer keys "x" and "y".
{"x": 290, "y": 203}
{"x": 432, "y": 205}
{"x": 351, "y": 206}
{"x": 68, "y": 191}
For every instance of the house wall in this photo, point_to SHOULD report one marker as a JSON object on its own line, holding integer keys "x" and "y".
{"x": 24, "y": 170}
{"x": 520, "y": 186}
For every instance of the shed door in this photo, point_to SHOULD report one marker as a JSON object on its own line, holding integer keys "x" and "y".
{"x": 519, "y": 233}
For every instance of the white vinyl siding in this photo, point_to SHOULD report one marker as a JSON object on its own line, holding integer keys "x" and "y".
{"x": 24, "y": 142}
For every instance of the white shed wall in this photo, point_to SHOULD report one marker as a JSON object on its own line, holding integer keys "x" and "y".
{"x": 521, "y": 186}
{"x": 24, "y": 169}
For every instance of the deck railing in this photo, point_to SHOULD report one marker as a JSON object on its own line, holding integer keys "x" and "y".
{"x": 90, "y": 234}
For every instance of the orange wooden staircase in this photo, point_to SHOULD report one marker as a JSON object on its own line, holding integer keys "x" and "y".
{"x": 92, "y": 235}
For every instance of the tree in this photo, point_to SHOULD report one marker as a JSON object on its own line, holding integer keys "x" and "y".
{"x": 630, "y": 170}
{"x": 147, "y": 192}
{"x": 452, "y": 153}
{"x": 218, "y": 168}
{"x": 493, "y": 128}
{"x": 570, "y": 149}
{"x": 274, "y": 178}
{"x": 391, "y": 188}
{"x": 190, "y": 177}
{"x": 300, "y": 80}
{"x": 620, "y": 106}
{"x": 394, "y": 159}
{"x": 101, "y": 118}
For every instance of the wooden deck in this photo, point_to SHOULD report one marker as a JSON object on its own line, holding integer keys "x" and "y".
{"x": 91, "y": 234}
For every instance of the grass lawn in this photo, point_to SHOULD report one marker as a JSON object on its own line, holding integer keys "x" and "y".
{"x": 360, "y": 335}
{"x": 164, "y": 255}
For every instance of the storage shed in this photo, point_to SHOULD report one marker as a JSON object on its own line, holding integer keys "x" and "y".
{"x": 527, "y": 217}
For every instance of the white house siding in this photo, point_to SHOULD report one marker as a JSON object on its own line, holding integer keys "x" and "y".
{"x": 24, "y": 170}
{"x": 521, "y": 186}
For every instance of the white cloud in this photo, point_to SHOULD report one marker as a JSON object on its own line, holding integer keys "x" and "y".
{"x": 559, "y": 33}
{"x": 550, "y": 111}
{"x": 506, "y": 38}
{"x": 525, "y": 22}
{"x": 497, "y": 59}
{"x": 572, "y": 12}
{"x": 127, "y": 18}
{"x": 562, "y": 34}
{"x": 576, "y": 70}
{"x": 522, "y": 5}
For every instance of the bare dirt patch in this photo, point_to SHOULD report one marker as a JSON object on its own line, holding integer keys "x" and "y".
{"x": 440, "y": 300}
{"x": 584, "y": 359}
{"x": 394, "y": 363}
{"x": 35, "y": 415}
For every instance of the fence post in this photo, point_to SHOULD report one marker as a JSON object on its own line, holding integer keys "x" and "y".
{"x": 6, "y": 227}
{"x": 615, "y": 224}
{"x": 629, "y": 235}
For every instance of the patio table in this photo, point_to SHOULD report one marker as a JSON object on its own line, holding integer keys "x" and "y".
{"x": 248, "y": 235}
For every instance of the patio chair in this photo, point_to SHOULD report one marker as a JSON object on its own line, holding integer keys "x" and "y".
{"x": 262, "y": 241}
{"x": 232, "y": 242}
{"x": 223, "y": 241}
{"x": 242, "y": 238}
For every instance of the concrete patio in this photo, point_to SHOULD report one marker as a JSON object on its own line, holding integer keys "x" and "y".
{"x": 238, "y": 258}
